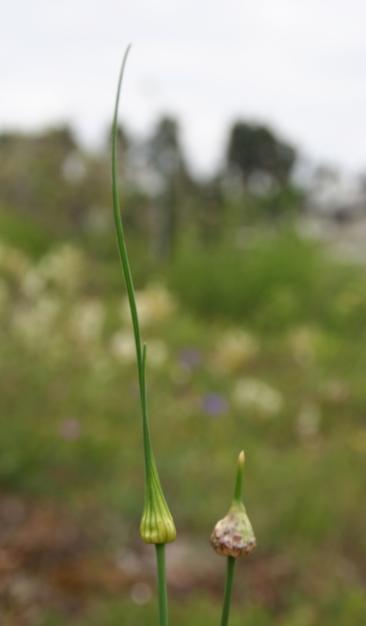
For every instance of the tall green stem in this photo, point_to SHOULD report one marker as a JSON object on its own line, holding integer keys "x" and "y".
{"x": 230, "y": 570}
{"x": 128, "y": 274}
{"x": 162, "y": 586}
{"x": 157, "y": 525}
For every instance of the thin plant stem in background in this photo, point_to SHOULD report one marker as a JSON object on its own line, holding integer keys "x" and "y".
{"x": 230, "y": 571}
{"x": 157, "y": 525}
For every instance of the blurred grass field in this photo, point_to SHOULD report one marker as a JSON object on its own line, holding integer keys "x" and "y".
{"x": 259, "y": 346}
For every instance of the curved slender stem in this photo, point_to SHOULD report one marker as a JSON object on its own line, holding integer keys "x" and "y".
{"x": 140, "y": 348}
{"x": 162, "y": 587}
{"x": 230, "y": 570}
{"x": 128, "y": 275}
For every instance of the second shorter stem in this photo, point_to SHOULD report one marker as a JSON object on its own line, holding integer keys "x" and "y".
{"x": 228, "y": 590}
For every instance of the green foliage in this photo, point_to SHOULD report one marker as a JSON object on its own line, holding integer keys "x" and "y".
{"x": 340, "y": 609}
{"x": 198, "y": 613}
{"x": 271, "y": 283}
{"x": 51, "y": 179}
{"x": 285, "y": 382}
{"x": 24, "y": 234}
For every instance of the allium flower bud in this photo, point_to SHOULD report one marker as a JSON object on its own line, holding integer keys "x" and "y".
{"x": 157, "y": 524}
{"x": 233, "y": 535}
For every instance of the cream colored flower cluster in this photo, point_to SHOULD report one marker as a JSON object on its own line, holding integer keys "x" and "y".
{"x": 155, "y": 304}
{"x": 43, "y": 305}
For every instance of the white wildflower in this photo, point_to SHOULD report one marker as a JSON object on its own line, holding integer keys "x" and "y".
{"x": 157, "y": 353}
{"x": 32, "y": 283}
{"x": 154, "y": 304}
{"x": 257, "y": 396}
{"x": 13, "y": 261}
{"x": 64, "y": 267}
{"x": 235, "y": 349}
{"x": 34, "y": 324}
{"x": 123, "y": 346}
{"x": 87, "y": 319}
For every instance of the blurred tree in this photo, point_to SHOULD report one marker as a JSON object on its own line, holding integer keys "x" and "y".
{"x": 258, "y": 155}
{"x": 34, "y": 169}
{"x": 165, "y": 150}
{"x": 209, "y": 209}
{"x": 49, "y": 177}
{"x": 172, "y": 181}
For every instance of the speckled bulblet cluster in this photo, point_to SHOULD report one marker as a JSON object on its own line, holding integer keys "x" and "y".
{"x": 233, "y": 535}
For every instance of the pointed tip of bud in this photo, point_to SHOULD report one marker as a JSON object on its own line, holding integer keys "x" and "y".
{"x": 241, "y": 458}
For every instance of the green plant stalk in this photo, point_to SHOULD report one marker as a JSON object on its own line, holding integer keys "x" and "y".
{"x": 128, "y": 274}
{"x": 162, "y": 586}
{"x": 230, "y": 570}
{"x": 154, "y": 497}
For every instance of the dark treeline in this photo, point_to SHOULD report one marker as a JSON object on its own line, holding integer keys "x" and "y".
{"x": 51, "y": 178}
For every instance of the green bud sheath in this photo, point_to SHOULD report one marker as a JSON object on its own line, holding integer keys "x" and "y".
{"x": 233, "y": 535}
{"x": 157, "y": 525}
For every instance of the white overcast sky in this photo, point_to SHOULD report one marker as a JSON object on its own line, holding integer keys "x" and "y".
{"x": 297, "y": 64}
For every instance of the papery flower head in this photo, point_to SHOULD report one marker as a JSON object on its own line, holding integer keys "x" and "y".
{"x": 233, "y": 535}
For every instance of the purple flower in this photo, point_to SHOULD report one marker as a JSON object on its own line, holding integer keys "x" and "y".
{"x": 214, "y": 404}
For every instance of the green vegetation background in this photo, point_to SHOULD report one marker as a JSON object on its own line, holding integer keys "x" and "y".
{"x": 256, "y": 340}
